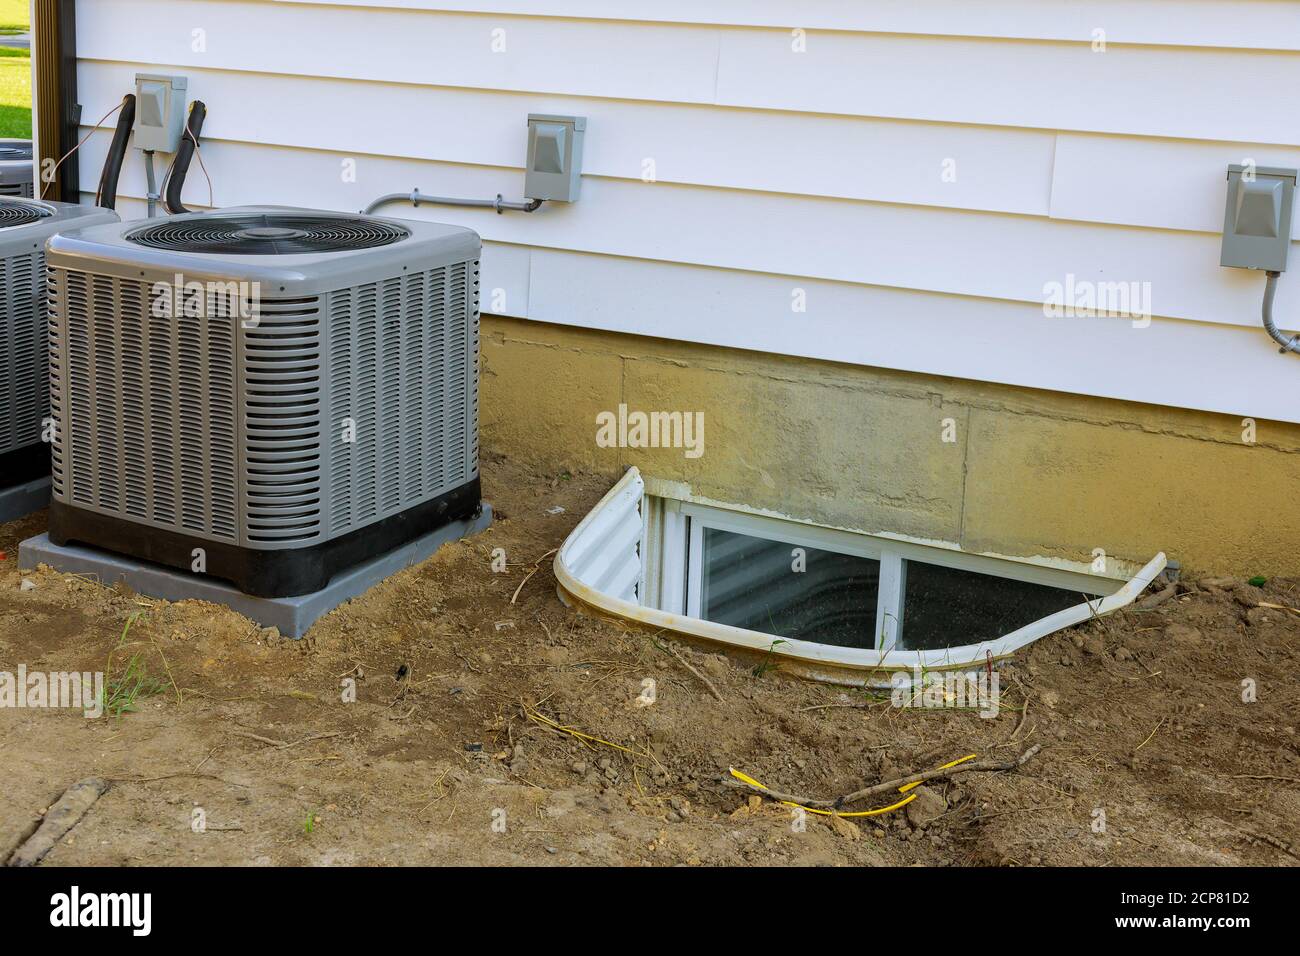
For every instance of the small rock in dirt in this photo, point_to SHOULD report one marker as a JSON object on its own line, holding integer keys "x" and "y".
{"x": 579, "y": 767}
{"x": 1248, "y": 596}
{"x": 559, "y": 803}
{"x": 269, "y": 635}
{"x": 27, "y": 585}
{"x": 1257, "y": 616}
{"x": 1182, "y": 633}
{"x": 518, "y": 761}
{"x": 1050, "y": 697}
{"x": 1093, "y": 644}
{"x": 1219, "y": 584}
{"x": 715, "y": 665}
{"x": 928, "y": 805}
{"x": 1123, "y": 654}
{"x": 1159, "y": 598}
{"x": 846, "y": 828}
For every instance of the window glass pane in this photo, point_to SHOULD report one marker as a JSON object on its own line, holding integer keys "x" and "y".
{"x": 946, "y": 607}
{"x": 752, "y": 583}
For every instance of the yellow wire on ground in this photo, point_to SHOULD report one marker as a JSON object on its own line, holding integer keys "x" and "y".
{"x": 542, "y": 718}
{"x": 745, "y": 778}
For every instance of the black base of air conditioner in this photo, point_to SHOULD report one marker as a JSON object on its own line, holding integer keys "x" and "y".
{"x": 25, "y": 464}
{"x": 270, "y": 574}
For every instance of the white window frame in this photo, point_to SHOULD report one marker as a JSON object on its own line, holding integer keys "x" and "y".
{"x": 681, "y": 554}
{"x": 627, "y": 525}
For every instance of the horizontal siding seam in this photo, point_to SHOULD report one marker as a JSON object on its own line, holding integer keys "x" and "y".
{"x": 702, "y": 104}
{"x": 681, "y": 184}
{"x": 920, "y": 290}
{"x": 779, "y": 28}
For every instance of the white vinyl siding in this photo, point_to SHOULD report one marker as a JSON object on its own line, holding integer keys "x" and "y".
{"x": 777, "y": 170}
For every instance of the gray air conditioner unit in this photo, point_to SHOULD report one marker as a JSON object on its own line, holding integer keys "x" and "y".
{"x": 263, "y": 395}
{"x": 16, "y": 168}
{"x": 25, "y": 226}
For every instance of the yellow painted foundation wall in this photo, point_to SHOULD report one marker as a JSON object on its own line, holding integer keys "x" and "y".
{"x": 992, "y": 468}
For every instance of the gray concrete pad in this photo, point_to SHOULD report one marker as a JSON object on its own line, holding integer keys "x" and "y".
{"x": 22, "y": 500}
{"x": 292, "y": 615}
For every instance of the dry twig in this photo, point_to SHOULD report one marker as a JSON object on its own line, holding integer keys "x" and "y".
{"x": 893, "y": 785}
{"x": 690, "y": 667}
{"x": 537, "y": 566}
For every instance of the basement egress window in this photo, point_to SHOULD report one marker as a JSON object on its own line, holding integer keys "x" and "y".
{"x": 783, "y": 589}
{"x": 838, "y": 605}
{"x": 851, "y": 590}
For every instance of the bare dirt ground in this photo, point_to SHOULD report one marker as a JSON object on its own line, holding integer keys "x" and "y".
{"x": 1140, "y": 717}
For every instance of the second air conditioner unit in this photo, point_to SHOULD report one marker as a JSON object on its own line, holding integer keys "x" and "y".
{"x": 263, "y": 395}
{"x": 25, "y": 226}
{"x": 16, "y": 168}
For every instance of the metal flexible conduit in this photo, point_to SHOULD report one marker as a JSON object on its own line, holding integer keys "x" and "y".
{"x": 416, "y": 197}
{"x": 1291, "y": 344}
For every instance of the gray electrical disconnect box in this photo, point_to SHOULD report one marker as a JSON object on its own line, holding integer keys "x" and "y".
{"x": 159, "y": 111}
{"x": 554, "y": 169}
{"x": 1257, "y": 221}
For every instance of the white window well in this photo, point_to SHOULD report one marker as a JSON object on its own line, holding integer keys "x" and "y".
{"x": 832, "y": 604}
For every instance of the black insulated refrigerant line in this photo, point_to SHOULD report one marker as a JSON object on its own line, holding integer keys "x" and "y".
{"x": 184, "y": 153}
{"x": 107, "y": 195}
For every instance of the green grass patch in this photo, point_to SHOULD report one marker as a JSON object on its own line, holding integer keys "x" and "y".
{"x": 14, "y": 16}
{"x": 15, "y": 92}
{"x": 131, "y": 683}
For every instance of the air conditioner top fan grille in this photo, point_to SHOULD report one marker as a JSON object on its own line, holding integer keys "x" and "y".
{"x": 268, "y": 234}
{"x": 15, "y": 152}
{"x": 20, "y": 214}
